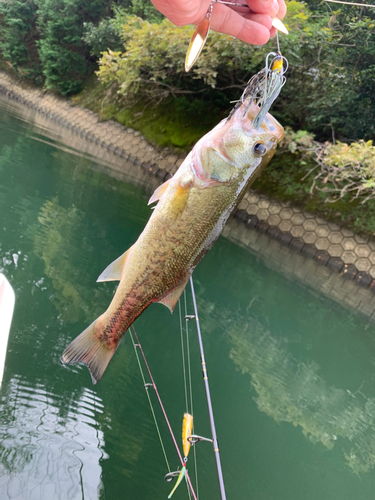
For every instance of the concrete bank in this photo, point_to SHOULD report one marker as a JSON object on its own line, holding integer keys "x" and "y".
{"x": 322, "y": 255}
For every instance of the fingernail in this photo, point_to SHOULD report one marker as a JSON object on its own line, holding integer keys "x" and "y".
{"x": 276, "y": 6}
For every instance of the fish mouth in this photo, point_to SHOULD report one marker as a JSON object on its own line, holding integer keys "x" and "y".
{"x": 269, "y": 123}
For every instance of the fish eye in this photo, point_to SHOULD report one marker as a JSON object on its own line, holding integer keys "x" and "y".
{"x": 259, "y": 149}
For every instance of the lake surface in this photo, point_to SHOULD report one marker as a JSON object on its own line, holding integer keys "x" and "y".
{"x": 292, "y": 373}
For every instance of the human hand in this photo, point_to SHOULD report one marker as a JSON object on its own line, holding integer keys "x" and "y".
{"x": 254, "y": 28}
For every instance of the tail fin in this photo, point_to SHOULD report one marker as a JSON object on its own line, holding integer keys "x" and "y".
{"x": 88, "y": 349}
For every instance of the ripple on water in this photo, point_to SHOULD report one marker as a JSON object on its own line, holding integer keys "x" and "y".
{"x": 49, "y": 448}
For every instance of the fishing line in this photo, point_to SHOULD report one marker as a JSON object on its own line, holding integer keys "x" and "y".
{"x": 208, "y": 397}
{"x": 149, "y": 400}
{"x": 185, "y": 386}
{"x": 187, "y": 318}
{"x": 183, "y": 356}
{"x": 139, "y": 346}
{"x": 188, "y": 355}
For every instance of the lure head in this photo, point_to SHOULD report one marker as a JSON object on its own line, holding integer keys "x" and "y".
{"x": 235, "y": 149}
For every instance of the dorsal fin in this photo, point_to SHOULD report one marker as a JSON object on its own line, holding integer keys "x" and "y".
{"x": 158, "y": 193}
{"x": 113, "y": 271}
{"x": 171, "y": 299}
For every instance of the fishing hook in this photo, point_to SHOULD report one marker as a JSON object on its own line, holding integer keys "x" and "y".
{"x": 195, "y": 439}
{"x": 171, "y": 475}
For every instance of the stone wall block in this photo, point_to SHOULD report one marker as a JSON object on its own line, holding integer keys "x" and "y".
{"x": 362, "y": 251}
{"x": 310, "y": 237}
{"x": 253, "y": 197}
{"x": 349, "y": 271}
{"x": 243, "y": 204}
{"x": 322, "y": 231}
{"x": 349, "y": 257}
{"x": 298, "y": 219}
{"x": 263, "y": 203}
{"x": 285, "y": 225}
{"x": 335, "y": 250}
{"x": 364, "y": 279}
{"x": 336, "y": 264}
{"x": 348, "y": 244}
{"x": 252, "y": 209}
{"x": 297, "y": 231}
{"x": 263, "y": 214}
{"x": 310, "y": 225}
{"x": 322, "y": 256}
{"x": 296, "y": 244}
{"x": 252, "y": 221}
{"x": 322, "y": 244}
{"x": 273, "y": 220}
{"x": 309, "y": 250}
{"x": 363, "y": 265}
{"x": 286, "y": 213}
{"x": 335, "y": 236}
{"x": 274, "y": 208}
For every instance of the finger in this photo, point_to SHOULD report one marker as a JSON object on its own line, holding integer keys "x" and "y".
{"x": 282, "y": 9}
{"x": 263, "y": 19}
{"x": 270, "y": 7}
{"x": 182, "y": 13}
{"x": 226, "y": 20}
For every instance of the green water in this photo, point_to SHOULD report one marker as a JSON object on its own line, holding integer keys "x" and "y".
{"x": 292, "y": 374}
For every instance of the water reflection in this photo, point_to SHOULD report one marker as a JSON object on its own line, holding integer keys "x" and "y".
{"x": 45, "y": 454}
{"x": 60, "y": 239}
{"x": 293, "y": 391}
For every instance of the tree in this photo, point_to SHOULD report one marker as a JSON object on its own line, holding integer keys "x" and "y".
{"x": 65, "y": 58}
{"x": 19, "y": 36}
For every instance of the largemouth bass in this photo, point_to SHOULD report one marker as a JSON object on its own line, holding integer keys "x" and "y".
{"x": 193, "y": 207}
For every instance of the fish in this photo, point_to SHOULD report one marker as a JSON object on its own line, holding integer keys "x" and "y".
{"x": 192, "y": 209}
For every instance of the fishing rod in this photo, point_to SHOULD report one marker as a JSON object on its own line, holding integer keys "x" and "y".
{"x": 183, "y": 463}
{"x": 208, "y": 397}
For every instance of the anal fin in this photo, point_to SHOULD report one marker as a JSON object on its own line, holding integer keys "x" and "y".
{"x": 171, "y": 299}
{"x": 158, "y": 193}
{"x": 114, "y": 271}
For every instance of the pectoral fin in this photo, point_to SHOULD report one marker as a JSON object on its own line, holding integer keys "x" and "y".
{"x": 158, "y": 193}
{"x": 113, "y": 271}
{"x": 171, "y": 299}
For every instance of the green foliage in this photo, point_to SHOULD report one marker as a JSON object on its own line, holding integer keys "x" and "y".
{"x": 336, "y": 85}
{"x": 145, "y": 10}
{"x": 18, "y": 37}
{"x": 348, "y": 170}
{"x": 102, "y": 37}
{"x": 61, "y": 49}
{"x": 106, "y": 35}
